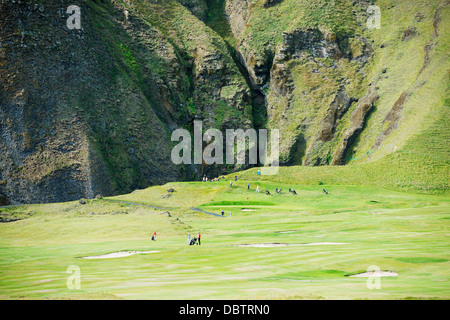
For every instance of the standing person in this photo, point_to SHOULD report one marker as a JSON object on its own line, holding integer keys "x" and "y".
{"x": 235, "y": 178}
{"x": 231, "y": 184}
{"x": 257, "y": 188}
{"x": 248, "y": 186}
{"x": 230, "y": 214}
{"x": 154, "y": 236}
{"x": 189, "y": 238}
{"x": 199, "y": 239}
{"x": 223, "y": 212}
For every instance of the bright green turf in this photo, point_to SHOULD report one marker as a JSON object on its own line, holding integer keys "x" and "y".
{"x": 403, "y": 232}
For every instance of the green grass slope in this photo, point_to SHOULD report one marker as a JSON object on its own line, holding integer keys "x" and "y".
{"x": 407, "y": 65}
{"x": 324, "y": 238}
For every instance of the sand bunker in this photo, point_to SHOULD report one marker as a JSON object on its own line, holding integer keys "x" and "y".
{"x": 272, "y": 245}
{"x": 119, "y": 254}
{"x": 248, "y": 209}
{"x": 377, "y": 273}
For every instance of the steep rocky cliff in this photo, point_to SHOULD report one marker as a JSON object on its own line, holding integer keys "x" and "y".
{"x": 91, "y": 110}
{"x": 325, "y": 68}
{"x": 79, "y": 116}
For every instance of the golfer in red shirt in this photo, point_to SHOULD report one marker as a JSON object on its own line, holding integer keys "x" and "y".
{"x": 199, "y": 239}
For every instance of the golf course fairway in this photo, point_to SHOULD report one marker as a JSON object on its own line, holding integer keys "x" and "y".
{"x": 277, "y": 246}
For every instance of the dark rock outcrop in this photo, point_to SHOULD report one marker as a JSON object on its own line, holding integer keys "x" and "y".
{"x": 271, "y": 3}
{"x": 90, "y": 111}
{"x": 337, "y": 109}
{"x": 197, "y": 7}
{"x": 311, "y": 41}
{"x": 74, "y": 118}
{"x": 357, "y": 120}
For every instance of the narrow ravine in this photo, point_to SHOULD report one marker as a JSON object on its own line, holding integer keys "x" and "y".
{"x": 217, "y": 20}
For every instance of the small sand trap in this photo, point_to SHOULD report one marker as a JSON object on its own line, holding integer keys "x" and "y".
{"x": 377, "y": 273}
{"x": 248, "y": 209}
{"x": 272, "y": 245}
{"x": 119, "y": 254}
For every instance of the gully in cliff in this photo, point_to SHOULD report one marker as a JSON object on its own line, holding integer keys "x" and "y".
{"x": 213, "y": 152}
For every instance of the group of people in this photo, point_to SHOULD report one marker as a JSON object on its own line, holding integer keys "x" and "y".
{"x": 190, "y": 241}
{"x": 267, "y": 191}
{"x": 205, "y": 179}
{"x": 194, "y": 240}
{"x": 197, "y": 240}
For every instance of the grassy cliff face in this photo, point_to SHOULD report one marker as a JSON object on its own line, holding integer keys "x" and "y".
{"x": 343, "y": 93}
{"x": 91, "y": 111}
{"x": 220, "y": 94}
